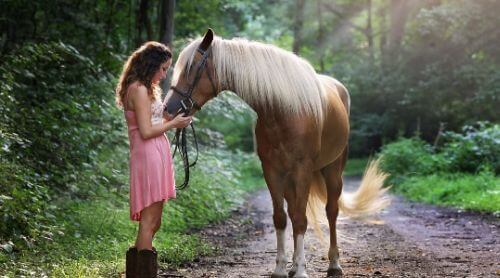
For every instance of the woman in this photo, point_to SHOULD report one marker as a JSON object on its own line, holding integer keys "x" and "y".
{"x": 151, "y": 168}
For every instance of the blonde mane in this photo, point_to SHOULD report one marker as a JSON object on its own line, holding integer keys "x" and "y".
{"x": 263, "y": 75}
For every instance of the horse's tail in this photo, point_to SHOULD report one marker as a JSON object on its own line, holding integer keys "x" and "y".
{"x": 366, "y": 201}
{"x": 369, "y": 198}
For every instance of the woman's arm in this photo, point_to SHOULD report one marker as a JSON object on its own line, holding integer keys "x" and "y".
{"x": 142, "y": 106}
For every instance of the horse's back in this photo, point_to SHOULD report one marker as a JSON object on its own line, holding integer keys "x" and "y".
{"x": 332, "y": 85}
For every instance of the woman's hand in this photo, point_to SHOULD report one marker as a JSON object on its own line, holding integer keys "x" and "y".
{"x": 181, "y": 121}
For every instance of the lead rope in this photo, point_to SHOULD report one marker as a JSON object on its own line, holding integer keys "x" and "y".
{"x": 181, "y": 144}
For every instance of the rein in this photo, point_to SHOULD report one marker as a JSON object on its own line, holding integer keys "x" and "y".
{"x": 181, "y": 144}
{"x": 187, "y": 105}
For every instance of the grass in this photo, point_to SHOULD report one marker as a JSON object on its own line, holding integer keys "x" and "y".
{"x": 355, "y": 166}
{"x": 479, "y": 192}
{"x": 93, "y": 234}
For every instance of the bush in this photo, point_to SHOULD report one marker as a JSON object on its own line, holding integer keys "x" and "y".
{"x": 61, "y": 105}
{"x": 477, "y": 148}
{"x": 25, "y": 211}
{"x": 56, "y": 117}
{"x": 462, "y": 174}
{"x": 409, "y": 157}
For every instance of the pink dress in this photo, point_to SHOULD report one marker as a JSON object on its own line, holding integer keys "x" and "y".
{"x": 151, "y": 167}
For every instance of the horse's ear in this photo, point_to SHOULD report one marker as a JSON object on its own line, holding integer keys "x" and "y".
{"x": 207, "y": 39}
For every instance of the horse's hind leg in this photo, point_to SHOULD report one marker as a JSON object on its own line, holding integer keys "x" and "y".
{"x": 333, "y": 179}
{"x": 296, "y": 194}
{"x": 315, "y": 181}
{"x": 275, "y": 184}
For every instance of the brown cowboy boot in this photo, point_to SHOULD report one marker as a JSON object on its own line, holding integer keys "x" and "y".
{"x": 131, "y": 263}
{"x": 156, "y": 259}
{"x": 147, "y": 266}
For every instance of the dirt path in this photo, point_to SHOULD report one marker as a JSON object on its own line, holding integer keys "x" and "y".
{"x": 415, "y": 241}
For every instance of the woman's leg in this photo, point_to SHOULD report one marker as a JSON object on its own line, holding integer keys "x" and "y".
{"x": 149, "y": 224}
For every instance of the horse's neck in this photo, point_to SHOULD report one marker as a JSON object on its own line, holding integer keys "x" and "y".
{"x": 271, "y": 117}
{"x": 258, "y": 108}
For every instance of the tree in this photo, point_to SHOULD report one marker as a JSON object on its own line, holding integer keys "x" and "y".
{"x": 142, "y": 21}
{"x": 369, "y": 30}
{"x": 321, "y": 36}
{"x": 167, "y": 10}
{"x": 399, "y": 11}
{"x": 347, "y": 11}
{"x": 297, "y": 25}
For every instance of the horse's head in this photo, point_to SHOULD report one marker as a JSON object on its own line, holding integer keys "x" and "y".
{"x": 195, "y": 83}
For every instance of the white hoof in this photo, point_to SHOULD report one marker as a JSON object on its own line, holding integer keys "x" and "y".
{"x": 280, "y": 270}
{"x": 279, "y": 273}
{"x": 300, "y": 272}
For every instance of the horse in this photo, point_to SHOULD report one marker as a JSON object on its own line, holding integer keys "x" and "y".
{"x": 301, "y": 134}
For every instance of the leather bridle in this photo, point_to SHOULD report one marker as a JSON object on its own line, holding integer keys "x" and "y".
{"x": 187, "y": 105}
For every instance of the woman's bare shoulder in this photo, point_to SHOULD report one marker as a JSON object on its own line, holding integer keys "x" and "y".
{"x": 137, "y": 86}
{"x": 138, "y": 95}
{"x": 137, "y": 90}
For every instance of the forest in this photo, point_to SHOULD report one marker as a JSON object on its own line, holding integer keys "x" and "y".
{"x": 423, "y": 75}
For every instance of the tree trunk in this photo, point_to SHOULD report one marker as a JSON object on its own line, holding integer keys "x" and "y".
{"x": 129, "y": 25}
{"x": 166, "y": 33}
{"x": 147, "y": 22}
{"x": 399, "y": 15}
{"x": 111, "y": 5}
{"x": 297, "y": 26}
{"x": 321, "y": 37}
{"x": 167, "y": 22}
{"x": 383, "y": 35}
{"x": 142, "y": 20}
{"x": 369, "y": 31}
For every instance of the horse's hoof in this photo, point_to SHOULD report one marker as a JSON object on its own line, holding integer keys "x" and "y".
{"x": 291, "y": 273}
{"x": 334, "y": 272}
{"x": 274, "y": 275}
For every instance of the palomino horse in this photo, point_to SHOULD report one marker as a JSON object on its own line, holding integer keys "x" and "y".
{"x": 301, "y": 133}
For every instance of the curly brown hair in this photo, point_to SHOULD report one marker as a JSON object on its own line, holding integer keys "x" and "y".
{"x": 141, "y": 66}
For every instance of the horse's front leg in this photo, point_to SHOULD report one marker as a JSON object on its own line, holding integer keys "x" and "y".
{"x": 281, "y": 260}
{"x": 275, "y": 185}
